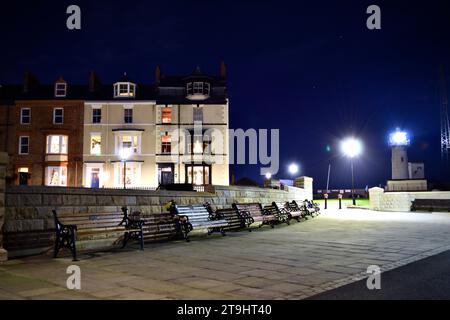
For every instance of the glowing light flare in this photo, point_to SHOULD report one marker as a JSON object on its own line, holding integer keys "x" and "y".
{"x": 351, "y": 147}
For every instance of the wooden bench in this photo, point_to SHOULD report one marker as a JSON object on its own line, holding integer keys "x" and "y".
{"x": 159, "y": 227}
{"x": 292, "y": 212}
{"x": 197, "y": 217}
{"x": 430, "y": 205}
{"x": 308, "y": 207}
{"x": 254, "y": 212}
{"x": 235, "y": 221}
{"x": 91, "y": 226}
{"x": 281, "y": 213}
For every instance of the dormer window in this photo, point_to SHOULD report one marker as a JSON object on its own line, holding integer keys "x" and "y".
{"x": 197, "y": 90}
{"x": 124, "y": 90}
{"x": 60, "y": 89}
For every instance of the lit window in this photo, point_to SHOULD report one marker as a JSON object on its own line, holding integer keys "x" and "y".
{"x": 60, "y": 89}
{"x": 96, "y": 144}
{"x": 166, "y": 115}
{"x": 166, "y": 144}
{"x": 131, "y": 175}
{"x": 129, "y": 142}
{"x": 56, "y": 176}
{"x": 124, "y": 90}
{"x": 96, "y": 115}
{"x": 57, "y": 144}
{"x": 58, "y": 115}
{"x": 24, "y": 145}
{"x": 25, "y": 116}
{"x": 128, "y": 115}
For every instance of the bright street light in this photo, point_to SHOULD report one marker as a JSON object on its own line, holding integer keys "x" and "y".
{"x": 352, "y": 147}
{"x": 268, "y": 175}
{"x": 293, "y": 168}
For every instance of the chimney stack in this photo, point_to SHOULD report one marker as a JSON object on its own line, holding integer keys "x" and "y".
{"x": 94, "y": 81}
{"x": 157, "y": 74}
{"x": 30, "y": 81}
{"x": 223, "y": 70}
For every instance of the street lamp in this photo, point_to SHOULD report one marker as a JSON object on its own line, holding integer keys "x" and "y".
{"x": 268, "y": 175}
{"x": 352, "y": 148}
{"x": 125, "y": 153}
{"x": 293, "y": 168}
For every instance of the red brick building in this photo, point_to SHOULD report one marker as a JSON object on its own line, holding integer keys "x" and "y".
{"x": 42, "y": 131}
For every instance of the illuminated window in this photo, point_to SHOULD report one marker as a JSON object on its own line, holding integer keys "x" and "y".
{"x": 198, "y": 88}
{"x": 57, "y": 144}
{"x": 25, "y": 116}
{"x": 56, "y": 176}
{"x": 124, "y": 90}
{"x": 166, "y": 144}
{"x": 60, "y": 89}
{"x": 166, "y": 115}
{"x": 58, "y": 115}
{"x": 96, "y": 144}
{"x": 128, "y": 142}
{"x": 24, "y": 144}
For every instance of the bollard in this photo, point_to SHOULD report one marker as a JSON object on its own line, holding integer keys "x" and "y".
{"x": 325, "y": 196}
{"x": 340, "y": 200}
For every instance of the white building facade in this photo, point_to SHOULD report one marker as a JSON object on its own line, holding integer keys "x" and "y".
{"x": 173, "y": 132}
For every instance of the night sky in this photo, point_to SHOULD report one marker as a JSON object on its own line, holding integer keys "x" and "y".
{"x": 310, "y": 68}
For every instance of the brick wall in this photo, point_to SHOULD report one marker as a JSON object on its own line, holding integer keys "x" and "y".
{"x": 3, "y": 163}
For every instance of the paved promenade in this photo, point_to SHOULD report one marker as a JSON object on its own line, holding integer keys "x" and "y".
{"x": 288, "y": 262}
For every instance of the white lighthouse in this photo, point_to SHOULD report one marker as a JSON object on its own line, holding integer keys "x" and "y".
{"x": 405, "y": 176}
{"x": 399, "y": 143}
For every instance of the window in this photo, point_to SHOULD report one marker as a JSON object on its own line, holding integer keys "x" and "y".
{"x": 198, "y": 174}
{"x": 124, "y": 90}
{"x": 166, "y": 144}
{"x": 58, "y": 115}
{"x": 60, "y": 89}
{"x": 96, "y": 144}
{"x": 128, "y": 142}
{"x": 24, "y": 144}
{"x": 25, "y": 116}
{"x": 198, "y": 88}
{"x": 198, "y": 114}
{"x": 57, "y": 144}
{"x": 166, "y": 115}
{"x": 131, "y": 175}
{"x": 96, "y": 115}
{"x": 128, "y": 115}
{"x": 56, "y": 176}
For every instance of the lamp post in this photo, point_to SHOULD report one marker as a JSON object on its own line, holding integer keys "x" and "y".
{"x": 352, "y": 148}
{"x": 125, "y": 153}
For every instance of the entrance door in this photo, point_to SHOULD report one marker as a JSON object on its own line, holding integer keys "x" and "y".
{"x": 95, "y": 178}
{"x": 166, "y": 175}
{"x": 23, "y": 178}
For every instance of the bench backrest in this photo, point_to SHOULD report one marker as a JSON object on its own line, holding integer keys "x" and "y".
{"x": 97, "y": 220}
{"x": 281, "y": 205}
{"x": 195, "y": 213}
{"x": 232, "y": 217}
{"x": 255, "y": 209}
{"x": 272, "y": 210}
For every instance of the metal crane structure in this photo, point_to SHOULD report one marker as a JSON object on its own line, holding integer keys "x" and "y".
{"x": 445, "y": 124}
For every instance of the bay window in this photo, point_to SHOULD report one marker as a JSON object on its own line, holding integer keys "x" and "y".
{"x": 57, "y": 144}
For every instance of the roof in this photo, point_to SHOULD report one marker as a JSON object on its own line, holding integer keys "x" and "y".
{"x": 105, "y": 92}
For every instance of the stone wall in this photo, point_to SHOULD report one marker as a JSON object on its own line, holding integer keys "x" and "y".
{"x": 28, "y": 209}
{"x": 3, "y": 164}
{"x": 400, "y": 201}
